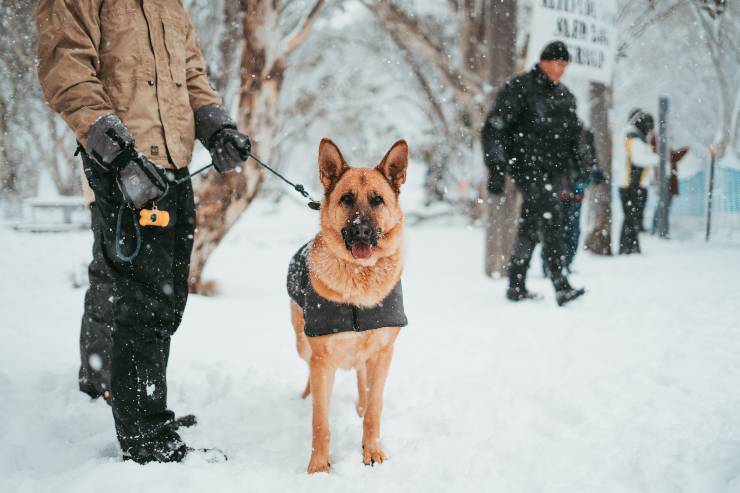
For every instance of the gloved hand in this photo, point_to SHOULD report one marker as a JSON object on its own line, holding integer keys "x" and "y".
{"x": 141, "y": 181}
{"x": 597, "y": 175}
{"x": 495, "y": 184}
{"x": 110, "y": 143}
{"x": 229, "y": 149}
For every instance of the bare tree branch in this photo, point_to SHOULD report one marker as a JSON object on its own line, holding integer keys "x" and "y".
{"x": 423, "y": 82}
{"x": 408, "y": 30}
{"x": 296, "y": 38}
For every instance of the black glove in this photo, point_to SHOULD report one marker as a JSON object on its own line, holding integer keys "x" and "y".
{"x": 229, "y": 149}
{"x": 598, "y": 176}
{"x": 110, "y": 143}
{"x": 217, "y": 132}
{"x": 141, "y": 181}
{"x": 495, "y": 184}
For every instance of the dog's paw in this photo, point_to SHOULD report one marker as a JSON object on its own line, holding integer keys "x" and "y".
{"x": 372, "y": 454}
{"x": 318, "y": 463}
{"x": 360, "y": 408}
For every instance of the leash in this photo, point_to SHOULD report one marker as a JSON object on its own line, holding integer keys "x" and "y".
{"x": 313, "y": 203}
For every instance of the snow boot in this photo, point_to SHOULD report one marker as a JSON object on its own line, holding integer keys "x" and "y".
{"x": 564, "y": 292}
{"x": 179, "y": 454}
{"x": 521, "y": 294}
{"x": 517, "y": 290}
{"x": 171, "y": 449}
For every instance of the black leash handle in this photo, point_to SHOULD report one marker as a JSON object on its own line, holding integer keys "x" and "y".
{"x": 313, "y": 203}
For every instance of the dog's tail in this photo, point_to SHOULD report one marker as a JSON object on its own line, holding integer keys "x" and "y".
{"x": 307, "y": 391}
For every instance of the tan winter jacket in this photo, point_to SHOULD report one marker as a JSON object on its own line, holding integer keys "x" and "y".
{"x": 138, "y": 59}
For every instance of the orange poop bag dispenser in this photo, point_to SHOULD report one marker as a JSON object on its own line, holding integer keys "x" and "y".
{"x": 154, "y": 217}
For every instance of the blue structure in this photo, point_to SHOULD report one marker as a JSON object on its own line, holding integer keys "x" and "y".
{"x": 692, "y": 197}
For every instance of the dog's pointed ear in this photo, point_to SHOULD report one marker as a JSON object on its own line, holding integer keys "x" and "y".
{"x": 394, "y": 164}
{"x": 331, "y": 164}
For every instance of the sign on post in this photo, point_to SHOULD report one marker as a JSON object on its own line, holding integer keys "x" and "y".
{"x": 587, "y": 27}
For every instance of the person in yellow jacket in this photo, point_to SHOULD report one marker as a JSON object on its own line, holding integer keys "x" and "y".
{"x": 640, "y": 159}
{"x": 128, "y": 78}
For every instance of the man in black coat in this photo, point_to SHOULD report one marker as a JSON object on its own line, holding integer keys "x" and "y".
{"x": 533, "y": 134}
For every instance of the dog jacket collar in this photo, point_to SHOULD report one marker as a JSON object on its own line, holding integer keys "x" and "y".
{"x": 323, "y": 317}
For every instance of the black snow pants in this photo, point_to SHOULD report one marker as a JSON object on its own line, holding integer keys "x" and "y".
{"x": 541, "y": 214}
{"x": 96, "y": 331}
{"x": 633, "y": 205}
{"x": 147, "y": 304}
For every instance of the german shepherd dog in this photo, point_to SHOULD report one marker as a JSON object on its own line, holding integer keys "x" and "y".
{"x": 354, "y": 264}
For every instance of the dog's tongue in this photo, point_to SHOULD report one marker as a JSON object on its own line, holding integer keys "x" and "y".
{"x": 361, "y": 250}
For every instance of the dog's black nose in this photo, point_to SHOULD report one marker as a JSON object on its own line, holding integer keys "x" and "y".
{"x": 361, "y": 232}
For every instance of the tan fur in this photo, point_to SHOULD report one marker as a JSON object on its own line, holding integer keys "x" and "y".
{"x": 338, "y": 276}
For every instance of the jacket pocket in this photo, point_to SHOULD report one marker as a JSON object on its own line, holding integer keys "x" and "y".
{"x": 174, "y": 39}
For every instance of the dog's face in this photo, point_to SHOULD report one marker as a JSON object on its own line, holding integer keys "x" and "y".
{"x": 361, "y": 220}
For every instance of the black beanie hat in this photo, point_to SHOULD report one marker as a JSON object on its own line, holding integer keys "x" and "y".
{"x": 642, "y": 120}
{"x": 556, "y": 50}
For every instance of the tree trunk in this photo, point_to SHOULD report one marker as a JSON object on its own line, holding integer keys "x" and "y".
{"x": 221, "y": 199}
{"x": 229, "y": 47}
{"x": 501, "y": 211}
{"x": 599, "y": 240}
{"x": 8, "y": 175}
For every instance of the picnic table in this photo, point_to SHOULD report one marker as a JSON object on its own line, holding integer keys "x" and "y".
{"x": 43, "y": 218}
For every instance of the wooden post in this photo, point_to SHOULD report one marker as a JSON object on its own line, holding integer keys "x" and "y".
{"x": 599, "y": 240}
{"x": 502, "y": 210}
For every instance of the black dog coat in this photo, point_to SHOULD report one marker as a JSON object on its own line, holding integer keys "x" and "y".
{"x": 324, "y": 317}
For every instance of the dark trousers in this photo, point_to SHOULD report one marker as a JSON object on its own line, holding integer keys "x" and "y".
{"x": 148, "y": 299}
{"x": 570, "y": 234}
{"x": 633, "y": 206}
{"x": 642, "y": 199}
{"x": 541, "y": 213}
{"x": 96, "y": 338}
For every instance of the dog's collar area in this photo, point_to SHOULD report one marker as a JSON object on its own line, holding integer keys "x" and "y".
{"x": 323, "y": 317}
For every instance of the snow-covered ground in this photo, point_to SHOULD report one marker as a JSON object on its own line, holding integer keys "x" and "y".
{"x": 633, "y": 388}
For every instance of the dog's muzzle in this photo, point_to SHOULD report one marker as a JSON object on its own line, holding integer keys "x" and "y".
{"x": 360, "y": 237}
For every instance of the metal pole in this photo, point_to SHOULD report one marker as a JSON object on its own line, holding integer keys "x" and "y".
{"x": 710, "y": 192}
{"x": 662, "y": 225}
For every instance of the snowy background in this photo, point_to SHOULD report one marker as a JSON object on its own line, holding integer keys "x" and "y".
{"x": 633, "y": 388}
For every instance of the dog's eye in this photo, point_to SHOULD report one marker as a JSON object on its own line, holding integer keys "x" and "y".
{"x": 348, "y": 199}
{"x": 376, "y": 199}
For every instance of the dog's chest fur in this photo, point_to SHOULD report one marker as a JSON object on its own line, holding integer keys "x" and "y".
{"x": 346, "y": 282}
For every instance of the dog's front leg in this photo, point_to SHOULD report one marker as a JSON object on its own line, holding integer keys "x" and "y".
{"x": 361, "y": 390}
{"x": 321, "y": 381}
{"x": 377, "y": 369}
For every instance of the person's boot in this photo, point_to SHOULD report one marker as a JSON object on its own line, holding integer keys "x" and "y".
{"x": 168, "y": 447}
{"x": 517, "y": 274}
{"x": 179, "y": 454}
{"x": 564, "y": 292}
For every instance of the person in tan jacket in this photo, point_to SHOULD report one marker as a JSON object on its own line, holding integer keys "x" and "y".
{"x": 128, "y": 78}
